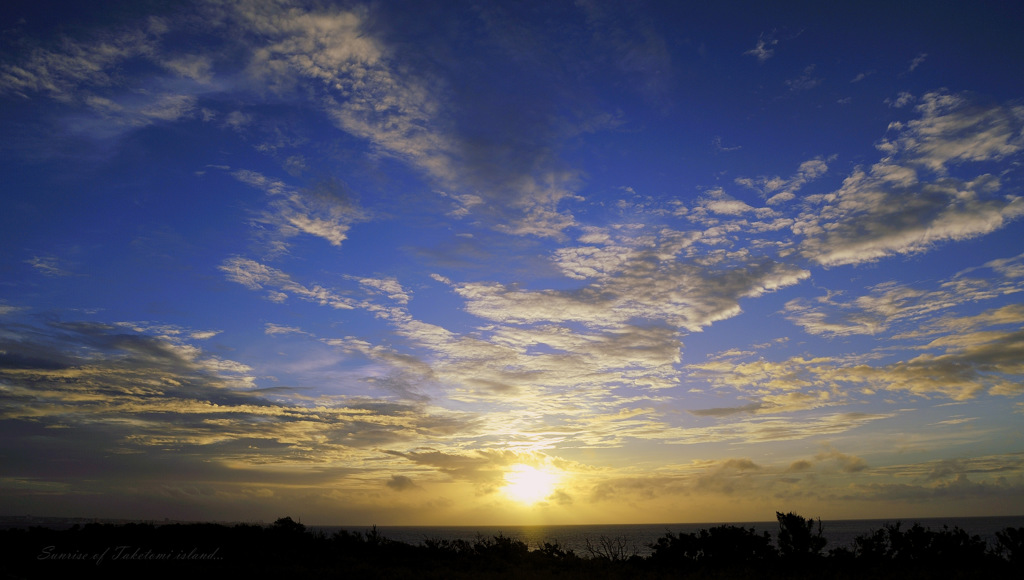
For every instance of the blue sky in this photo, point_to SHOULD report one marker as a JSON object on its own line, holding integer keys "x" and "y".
{"x": 374, "y": 262}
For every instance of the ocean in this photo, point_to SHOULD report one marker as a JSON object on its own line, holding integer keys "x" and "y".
{"x": 637, "y": 537}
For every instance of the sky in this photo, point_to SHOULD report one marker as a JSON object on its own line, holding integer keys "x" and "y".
{"x": 485, "y": 263}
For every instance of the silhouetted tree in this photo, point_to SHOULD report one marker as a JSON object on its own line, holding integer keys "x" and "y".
{"x": 287, "y": 548}
{"x": 287, "y": 525}
{"x": 925, "y": 552}
{"x": 676, "y": 551}
{"x": 555, "y": 551}
{"x": 719, "y": 547}
{"x": 731, "y": 544}
{"x": 799, "y": 539}
{"x": 874, "y": 546}
{"x": 1010, "y": 545}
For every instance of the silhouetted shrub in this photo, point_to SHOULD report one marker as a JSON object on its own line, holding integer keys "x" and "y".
{"x": 617, "y": 549}
{"x": 677, "y": 551}
{"x": 799, "y": 539}
{"x": 719, "y": 547}
{"x": 287, "y": 526}
{"x": 287, "y": 549}
{"x": 1010, "y": 545}
{"x": 501, "y": 548}
{"x": 725, "y": 544}
{"x": 556, "y": 552}
{"x": 925, "y": 553}
{"x": 874, "y": 547}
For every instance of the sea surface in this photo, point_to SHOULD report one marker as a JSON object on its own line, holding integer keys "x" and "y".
{"x": 636, "y": 538}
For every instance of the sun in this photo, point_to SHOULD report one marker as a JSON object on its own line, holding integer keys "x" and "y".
{"x": 529, "y": 485}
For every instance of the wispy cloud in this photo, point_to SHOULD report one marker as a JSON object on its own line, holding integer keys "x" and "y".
{"x": 400, "y": 114}
{"x": 130, "y": 391}
{"x": 64, "y": 73}
{"x": 778, "y": 190}
{"x": 764, "y": 49}
{"x": 9, "y": 309}
{"x": 279, "y": 285}
{"x": 326, "y": 210}
{"x": 891, "y": 306}
{"x": 862, "y": 76}
{"x": 48, "y": 266}
{"x": 674, "y": 291}
{"x": 805, "y": 81}
{"x": 917, "y": 61}
{"x": 719, "y": 145}
{"x": 959, "y": 366}
{"x": 907, "y": 202}
{"x": 87, "y": 75}
{"x": 272, "y": 329}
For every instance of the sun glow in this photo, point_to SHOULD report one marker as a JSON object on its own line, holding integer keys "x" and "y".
{"x": 529, "y": 485}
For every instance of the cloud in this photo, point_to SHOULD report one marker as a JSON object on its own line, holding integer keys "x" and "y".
{"x": 1009, "y": 267}
{"x": 888, "y": 306}
{"x": 407, "y": 115}
{"x": 719, "y": 146}
{"x": 680, "y": 295}
{"x": 798, "y": 466}
{"x": 718, "y": 202}
{"x": 484, "y": 468}
{"x": 638, "y": 278}
{"x": 87, "y": 75}
{"x": 907, "y": 202}
{"x": 48, "y": 266}
{"x": 388, "y": 287}
{"x": 401, "y": 483}
{"x": 821, "y": 320}
{"x": 1002, "y": 490}
{"x": 726, "y": 411}
{"x": 61, "y": 73}
{"x": 272, "y": 329}
{"x": 192, "y": 66}
{"x": 917, "y": 61}
{"x": 256, "y": 276}
{"x": 847, "y": 463}
{"x": 1012, "y": 314}
{"x": 237, "y": 120}
{"x": 902, "y": 100}
{"x": 861, "y": 76}
{"x": 125, "y": 393}
{"x": 952, "y": 131}
{"x": 763, "y": 50}
{"x": 337, "y": 61}
{"x": 764, "y": 429}
{"x": 493, "y": 362}
{"x": 168, "y": 107}
{"x": 539, "y": 365}
{"x": 959, "y": 365}
{"x": 530, "y": 347}
{"x": 326, "y": 210}
{"x": 778, "y": 190}
{"x": 726, "y": 483}
{"x": 968, "y": 365}
{"x": 805, "y": 81}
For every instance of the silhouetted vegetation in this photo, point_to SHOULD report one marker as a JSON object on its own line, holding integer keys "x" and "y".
{"x": 287, "y": 549}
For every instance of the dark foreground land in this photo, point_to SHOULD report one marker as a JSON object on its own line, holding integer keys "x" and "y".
{"x": 287, "y": 550}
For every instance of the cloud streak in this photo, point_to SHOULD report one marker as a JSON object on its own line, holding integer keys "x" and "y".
{"x": 907, "y": 202}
